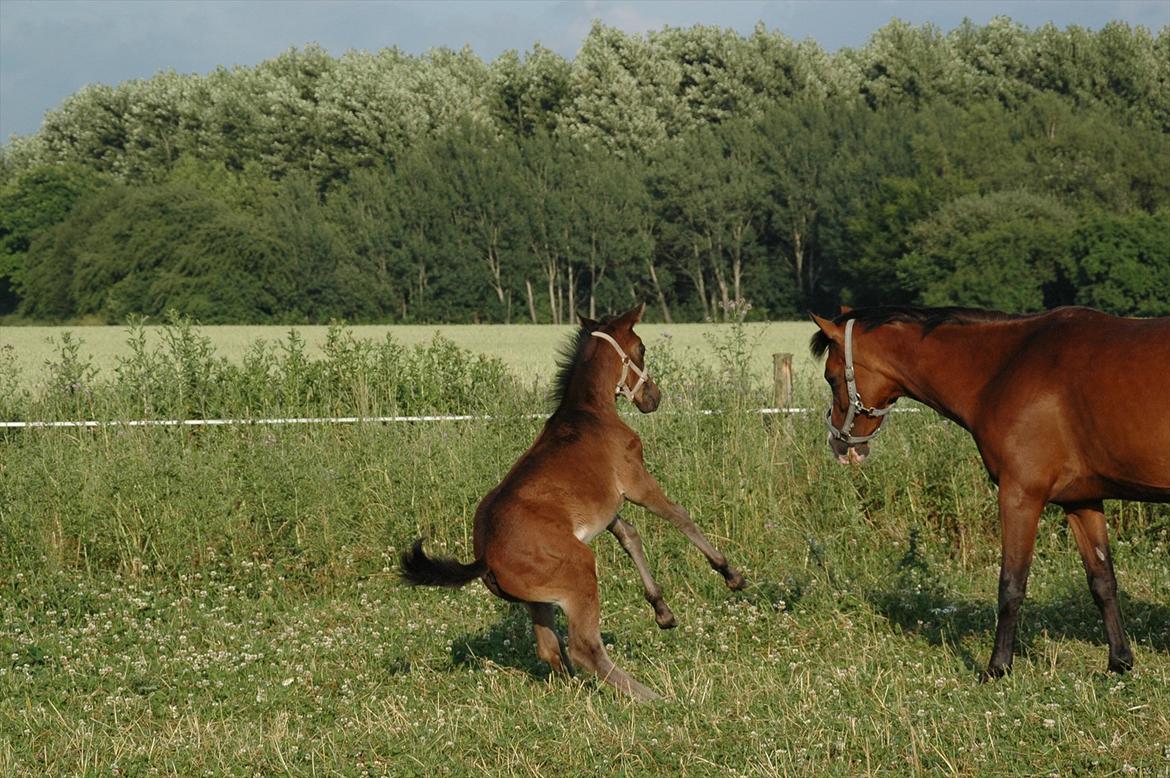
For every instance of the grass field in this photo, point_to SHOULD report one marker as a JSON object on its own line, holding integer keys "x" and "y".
{"x": 530, "y": 350}
{"x": 223, "y": 602}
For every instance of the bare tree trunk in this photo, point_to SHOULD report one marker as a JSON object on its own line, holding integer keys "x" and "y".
{"x": 721, "y": 285}
{"x": 560, "y": 296}
{"x": 422, "y": 285}
{"x": 694, "y": 269}
{"x": 592, "y": 287}
{"x": 658, "y": 289}
{"x": 572, "y": 311}
{"x": 798, "y": 262}
{"x": 737, "y": 260}
{"x": 593, "y": 280}
{"x": 551, "y": 273}
{"x": 531, "y": 301}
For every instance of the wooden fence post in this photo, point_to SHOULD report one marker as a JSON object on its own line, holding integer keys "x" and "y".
{"x": 782, "y": 380}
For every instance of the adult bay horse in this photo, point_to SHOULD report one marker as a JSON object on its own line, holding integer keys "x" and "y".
{"x": 1067, "y": 407}
{"x": 531, "y": 531}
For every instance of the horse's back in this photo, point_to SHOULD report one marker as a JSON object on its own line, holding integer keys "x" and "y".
{"x": 1092, "y": 389}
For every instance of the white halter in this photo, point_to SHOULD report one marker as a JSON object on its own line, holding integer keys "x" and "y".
{"x": 856, "y": 406}
{"x": 627, "y": 366}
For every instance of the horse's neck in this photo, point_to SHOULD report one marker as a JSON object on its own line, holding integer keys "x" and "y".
{"x": 949, "y": 368}
{"x": 590, "y": 388}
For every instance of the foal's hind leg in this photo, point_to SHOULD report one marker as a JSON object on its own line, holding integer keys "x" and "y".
{"x": 548, "y": 643}
{"x": 647, "y": 493}
{"x": 563, "y": 571}
{"x": 1088, "y": 526}
{"x": 631, "y": 541}
{"x": 579, "y": 600}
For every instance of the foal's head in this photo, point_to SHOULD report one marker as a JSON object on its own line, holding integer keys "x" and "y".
{"x": 861, "y": 397}
{"x": 622, "y": 353}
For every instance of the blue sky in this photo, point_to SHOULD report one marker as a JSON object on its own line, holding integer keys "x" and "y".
{"x": 51, "y": 48}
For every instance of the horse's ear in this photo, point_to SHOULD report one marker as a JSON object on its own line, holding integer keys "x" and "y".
{"x": 587, "y": 323}
{"x": 827, "y": 326}
{"x": 634, "y": 315}
{"x": 846, "y": 309}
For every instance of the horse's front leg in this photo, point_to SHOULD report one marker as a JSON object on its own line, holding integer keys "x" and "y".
{"x": 631, "y": 541}
{"x": 646, "y": 492}
{"x": 1019, "y": 513}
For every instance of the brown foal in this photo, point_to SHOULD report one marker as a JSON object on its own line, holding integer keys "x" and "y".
{"x": 531, "y": 532}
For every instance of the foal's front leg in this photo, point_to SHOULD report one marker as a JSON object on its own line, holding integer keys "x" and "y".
{"x": 647, "y": 493}
{"x": 631, "y": 541}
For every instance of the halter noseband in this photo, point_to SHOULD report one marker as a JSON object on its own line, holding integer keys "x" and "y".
{"x": 627, "y": 366}
{"x": 856, "y": 406}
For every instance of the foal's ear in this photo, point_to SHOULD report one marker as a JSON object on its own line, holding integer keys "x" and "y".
{"x": 634, "y": 315}
{"x": 846, "y": 309}
{"x": 587, "y": 323}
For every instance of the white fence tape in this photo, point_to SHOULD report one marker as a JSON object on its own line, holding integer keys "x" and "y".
{"x": 339, "y": 419}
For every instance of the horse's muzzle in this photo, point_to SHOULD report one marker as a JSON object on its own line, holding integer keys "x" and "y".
{"x": 846, "y": 454}
{"x": 648, "y": 399}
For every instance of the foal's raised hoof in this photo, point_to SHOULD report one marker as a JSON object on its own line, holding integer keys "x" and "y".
{"x": 665, "y": 619}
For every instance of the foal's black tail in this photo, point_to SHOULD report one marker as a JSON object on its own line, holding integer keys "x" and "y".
{"x": 417, "y": 569}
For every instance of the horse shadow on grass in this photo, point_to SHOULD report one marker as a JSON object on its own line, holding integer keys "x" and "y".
{"x": 510, "y": 642}
{"x": 918, "y": 604}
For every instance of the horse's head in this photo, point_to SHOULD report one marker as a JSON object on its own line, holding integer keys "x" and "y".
{"x": 851, "y": 422}
{"x": 630, "y": 376}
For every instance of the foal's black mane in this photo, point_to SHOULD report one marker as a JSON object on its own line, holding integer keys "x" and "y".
{"x": 568, "y": 355}
{"x": 929, "y": 318}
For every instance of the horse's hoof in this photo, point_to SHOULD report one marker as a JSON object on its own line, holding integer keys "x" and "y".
{"x": 665, "y": 620}
{"x": 1120, "y": 664}
{"x": 994, "y": 672}
{"x": 735, "y": 581}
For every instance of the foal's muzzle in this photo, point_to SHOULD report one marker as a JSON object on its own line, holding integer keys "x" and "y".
{"x": 647, "y": 401}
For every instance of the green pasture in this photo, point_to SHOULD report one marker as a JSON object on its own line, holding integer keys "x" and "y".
{"x": 191, "y": 602}
{"x": 529, "y": 349}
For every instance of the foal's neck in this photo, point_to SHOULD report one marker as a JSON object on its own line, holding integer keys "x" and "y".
{"x": 591, "y": 387}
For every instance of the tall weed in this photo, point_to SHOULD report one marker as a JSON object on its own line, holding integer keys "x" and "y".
{"x": 182, "y": 377}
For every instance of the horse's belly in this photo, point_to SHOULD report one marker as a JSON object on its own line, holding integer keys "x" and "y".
{"x": 1105, "y": 483}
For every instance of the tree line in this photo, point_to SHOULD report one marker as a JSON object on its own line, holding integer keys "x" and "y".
{"x": 994, "y": 165}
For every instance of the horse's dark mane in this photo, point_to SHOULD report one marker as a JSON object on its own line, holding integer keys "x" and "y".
{"x": 568, "y": 355}
{"x": 929, "y": 318}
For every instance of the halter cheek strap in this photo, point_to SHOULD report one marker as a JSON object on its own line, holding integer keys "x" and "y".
{"x": 856, "y": 406}
{"x": 627, "y": 366}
